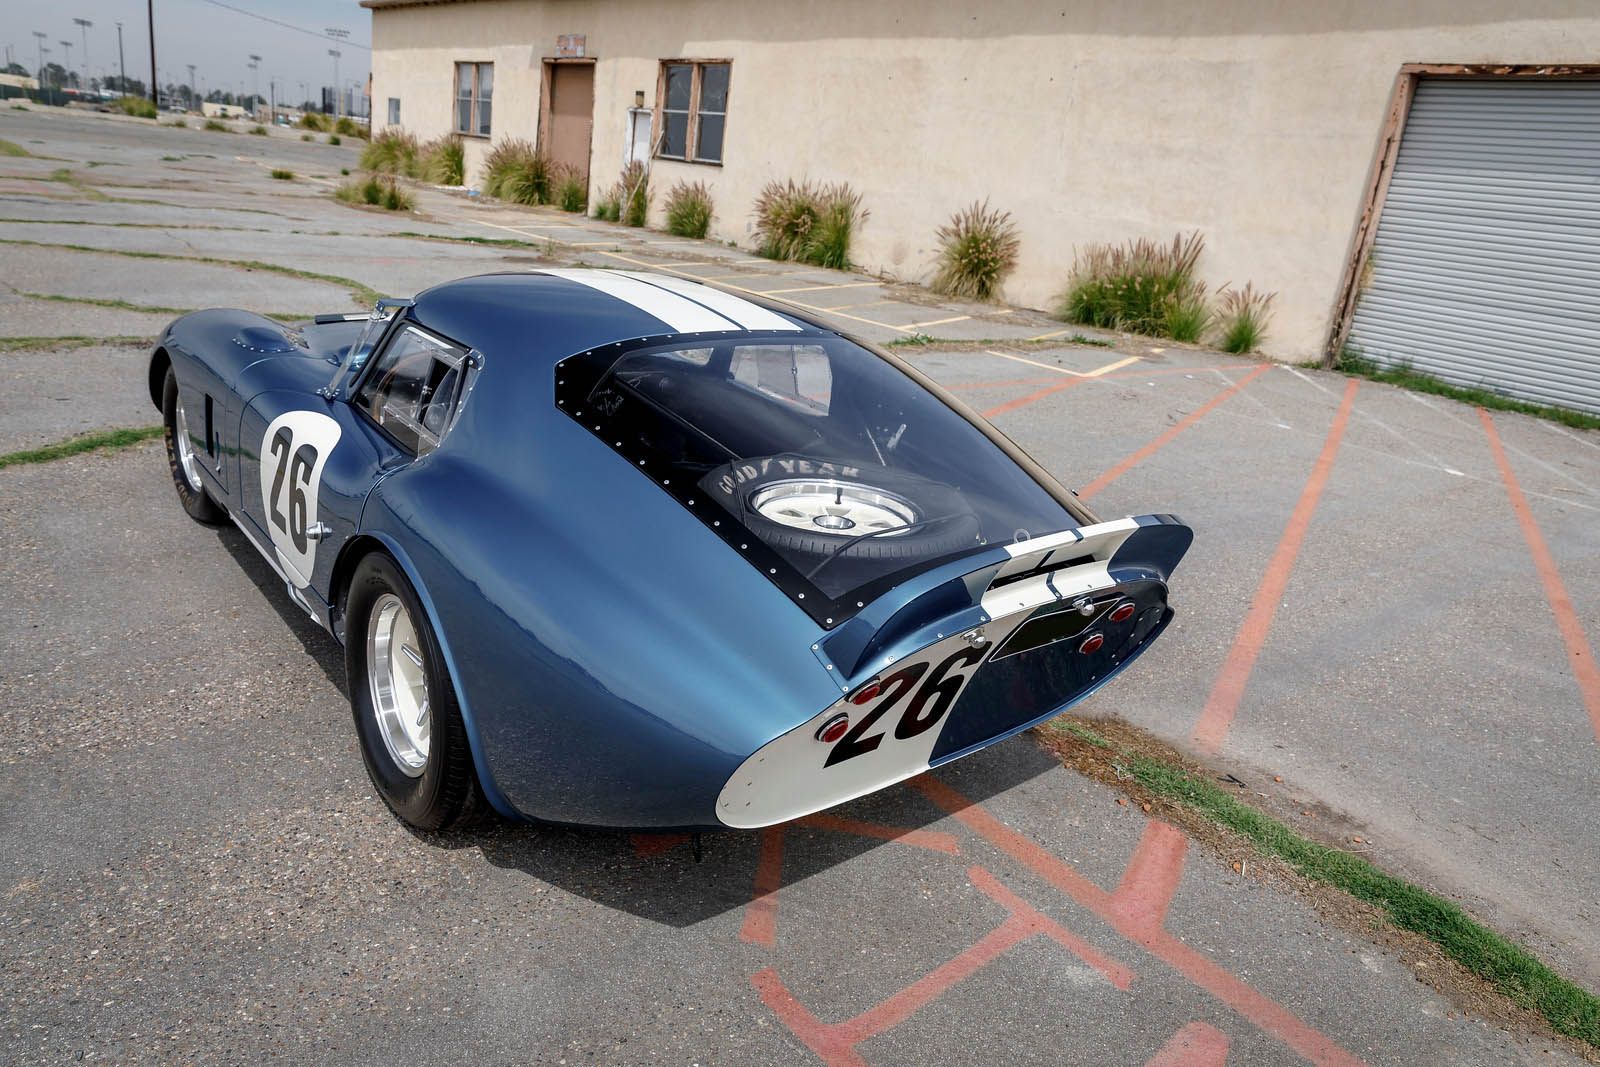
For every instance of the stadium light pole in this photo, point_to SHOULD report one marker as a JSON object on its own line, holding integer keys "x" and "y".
{"x": 84, "y": 24}
{"x": 122, "y": 64}
{"x": 41, "y": 37}
{"x": 255, "y": 81}
{"x": 335, "y": 53}
{"x": 66, "y": 60}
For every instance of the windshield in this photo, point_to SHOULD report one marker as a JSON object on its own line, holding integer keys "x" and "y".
{"x": 822, "y": 462}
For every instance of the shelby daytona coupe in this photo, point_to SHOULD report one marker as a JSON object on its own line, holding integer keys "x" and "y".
{"x": 628, "y": 550}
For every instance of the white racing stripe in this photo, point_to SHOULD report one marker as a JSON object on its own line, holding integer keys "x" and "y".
{"x": 680, "y": 314}
{"x": 749, "y": 315}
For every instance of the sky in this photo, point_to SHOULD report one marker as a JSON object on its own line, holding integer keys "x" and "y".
{"x": 217, "y": 36}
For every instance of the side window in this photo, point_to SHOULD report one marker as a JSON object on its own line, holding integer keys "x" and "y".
{"x": 415, "y": 389}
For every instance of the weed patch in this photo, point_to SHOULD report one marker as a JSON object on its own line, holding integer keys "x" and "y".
{"x": 220, "y": 127}
{"x": 1243, "y": 319}
{"x": 138, "y": 106}
{"x": 571, "y": 192}
{"x": 689, "y": 209}
{"x": 443, "y": 160}
{"x": 12, "y": 148}
{"x": 283, "y": 175}
{"x": 977, "y": 249}
{"x": 258, "y": 131}
{"x": 808, "y": 222}
{"x": 377, "y": 192}
{"x": 1138, "y": 286}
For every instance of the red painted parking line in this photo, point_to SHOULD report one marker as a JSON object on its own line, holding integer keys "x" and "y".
{"x": 1024, "y": 401}
{"x": 1166, "y": 438}
{"x": 1151, "y": 877}
{"x": 1223, "y": 704}
{"x": 835, "y": 1043}
{"x": 933, "y": 840}
{"x": 1579, "y": 654}
{"x": 1196, "y": 1045}
{"x": 761, "y": 917}
{"x": 1261, "y": 1010}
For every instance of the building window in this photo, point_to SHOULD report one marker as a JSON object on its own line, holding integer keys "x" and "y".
{"x": 693, "y": 101}
{"x": 394, "y": 111}
{"x": 474, "y": 98}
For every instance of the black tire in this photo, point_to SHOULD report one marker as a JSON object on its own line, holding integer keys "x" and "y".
{"x": 446, "y": 792}
{"x": 735, "y": 486}
{"x": 192, "y": 495}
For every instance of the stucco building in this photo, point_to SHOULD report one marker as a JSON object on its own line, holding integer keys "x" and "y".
{"x": 1460, "y": 138}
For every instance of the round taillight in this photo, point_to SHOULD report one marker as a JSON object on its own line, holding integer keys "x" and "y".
{"x": 1123, "y": 613}
{"x": 1092, "y": 643}
{"x": 833, "y": 729}
{"x": 866, "y": 693}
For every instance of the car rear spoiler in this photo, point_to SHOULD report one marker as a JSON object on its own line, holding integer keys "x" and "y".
{"x": 971, "y": 591}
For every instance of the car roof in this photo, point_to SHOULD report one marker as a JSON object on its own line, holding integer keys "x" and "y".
{"x": 553, "y": 313}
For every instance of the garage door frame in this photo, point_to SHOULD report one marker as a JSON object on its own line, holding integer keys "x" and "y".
{"x": 1382, "y": 169}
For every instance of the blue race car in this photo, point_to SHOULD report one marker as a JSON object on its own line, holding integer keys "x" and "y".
{"x": 627, "y": 550}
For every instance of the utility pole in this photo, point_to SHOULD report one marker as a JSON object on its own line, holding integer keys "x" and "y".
{"x": 122, "y": 64}
{"x": 150, "y": 13}
{"x": 41, "y": 36}
{"x": 272, "y": 100}
{"x": 255, "y": 81}
{"x": 191, "y": 85}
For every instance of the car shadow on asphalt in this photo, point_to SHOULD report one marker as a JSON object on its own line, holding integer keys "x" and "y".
{"x": 656, "y": 875}
{"x": 318, "y": 643}
{"x": 667, "y": 877}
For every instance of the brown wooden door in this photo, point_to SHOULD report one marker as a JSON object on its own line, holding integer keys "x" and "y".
{"x": 571, "y": 111}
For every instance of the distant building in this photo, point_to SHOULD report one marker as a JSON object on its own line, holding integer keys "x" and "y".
{"x": 1456, "y": 140}
{"x": 223, "y": 111}
{"x": 19, "y": 82}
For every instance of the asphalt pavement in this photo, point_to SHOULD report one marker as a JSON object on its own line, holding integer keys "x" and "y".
{"x": 1387, "y": 607}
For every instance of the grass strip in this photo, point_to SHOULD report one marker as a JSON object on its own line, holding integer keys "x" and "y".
{"x": 105, "y": 440}
{"x": 1417, "y": 381}
{"x": 68, "y": 341}
{"x": 12, "y": 148}
{"x": 104, "y": 302}
{"x": 361, "y": 293}
{"x": 1508, "y": 967}
{"x": 504, "y": 242}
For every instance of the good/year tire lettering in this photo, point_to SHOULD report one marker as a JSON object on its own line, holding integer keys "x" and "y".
{"x": 937, "y": 693}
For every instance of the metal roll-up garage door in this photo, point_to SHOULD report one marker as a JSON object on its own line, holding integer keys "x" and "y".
{"x": 1486, "y": 266}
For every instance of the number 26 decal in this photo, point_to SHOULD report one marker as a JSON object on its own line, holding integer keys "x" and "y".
{"x": 293, "y": 450}
{"x": 938, "y": 690}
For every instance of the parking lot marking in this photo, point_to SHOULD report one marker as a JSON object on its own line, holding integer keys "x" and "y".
{"x": 1151, "y": 878}
{"x": 1024, "y": 401}
{"x": 933, "y": 840}
{"x": 938, "y": 322}
{"x": 1223, "y": 704}
{"x": 835, "y": 1043}
{"x": 814, "y": 288}
{"x": 1177, "y": 428}
{"x": 1196, "y": 1045}
{"x": 758, "y": 292}
{"x": 1051, "y": 336}
{"x": 1259, "y": 1009}
{"x": 1579, "y": 654}
{"x": 761, "y": 917}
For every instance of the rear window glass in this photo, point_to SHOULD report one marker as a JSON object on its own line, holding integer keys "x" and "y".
{"x": 821, "y": 462}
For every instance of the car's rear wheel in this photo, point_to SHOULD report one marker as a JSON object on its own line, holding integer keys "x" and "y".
{"x": 183, "y": 460}
{"x": 413, "y": 740}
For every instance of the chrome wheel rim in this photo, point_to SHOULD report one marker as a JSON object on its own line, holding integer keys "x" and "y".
{"x": 187, "y": 462}
{"x": 827, "y": 505}
{"x": 399, "y": 685}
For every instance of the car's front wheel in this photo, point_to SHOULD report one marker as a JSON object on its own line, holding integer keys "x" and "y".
{"x": 412, "y": 736}
{"x": 182, "y": 458}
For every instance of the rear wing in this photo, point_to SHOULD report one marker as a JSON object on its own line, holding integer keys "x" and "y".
{"x": 999, "y": 582}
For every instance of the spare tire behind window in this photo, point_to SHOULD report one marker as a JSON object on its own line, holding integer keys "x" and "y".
{"x": 805, "y": 508}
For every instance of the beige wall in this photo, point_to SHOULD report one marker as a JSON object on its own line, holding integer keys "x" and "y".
{"x": 1254, "y": 121}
